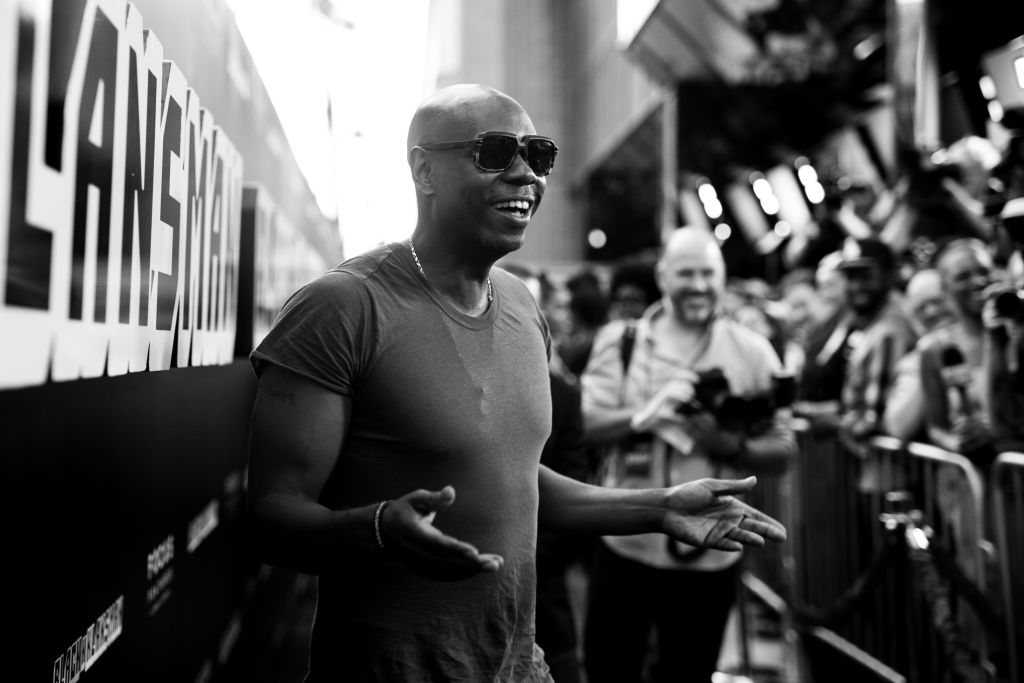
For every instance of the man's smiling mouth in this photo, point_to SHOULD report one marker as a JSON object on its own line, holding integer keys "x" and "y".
{"x": 517, "y": 207}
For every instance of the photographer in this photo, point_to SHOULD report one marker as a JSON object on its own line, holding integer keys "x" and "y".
{"x": 675, "y": 392}
{"x": 1003, "y": 351}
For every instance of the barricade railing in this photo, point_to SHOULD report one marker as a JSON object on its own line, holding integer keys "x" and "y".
{"x": 1007, "y": 482}
{"x": 770, "y": 568}
{"x": 950, "y": 494}
{"x": 774, "y": 562}
{"x": 841, "y": 570}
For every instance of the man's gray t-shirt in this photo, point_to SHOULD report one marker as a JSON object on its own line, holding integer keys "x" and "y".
{"x": 438, "y": 398}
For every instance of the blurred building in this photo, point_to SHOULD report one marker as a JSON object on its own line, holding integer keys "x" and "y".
{"x": 748, "y": 117}
{"x": 563, "y": 61}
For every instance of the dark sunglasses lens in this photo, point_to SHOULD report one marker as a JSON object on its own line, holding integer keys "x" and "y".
{"x": 541, "y": 155}
{"x": 496, "y": 152}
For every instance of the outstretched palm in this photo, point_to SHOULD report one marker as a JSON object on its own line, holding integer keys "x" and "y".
{"x": 705, "y": 513}
{"x": 409, "y": 536}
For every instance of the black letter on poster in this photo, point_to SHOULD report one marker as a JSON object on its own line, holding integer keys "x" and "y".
{"x": 29, "y": 248}
{"x": 95, "y": 164}
{"x": 194, "y": 224}
{"x": 138, "y": 186}
{"x": 214, "y": 242}
{"x": 29, "y": 251}
{"x": 170, "y": 210}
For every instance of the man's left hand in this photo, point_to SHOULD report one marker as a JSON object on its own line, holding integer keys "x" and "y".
{"x": 705, "y": 513}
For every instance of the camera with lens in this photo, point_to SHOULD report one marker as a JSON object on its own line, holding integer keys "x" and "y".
{"x": 749, "y": 415}
{"x": 1009, "y": 304}
{"x": 738, "y": 413}
{"x": 710, "y": 392}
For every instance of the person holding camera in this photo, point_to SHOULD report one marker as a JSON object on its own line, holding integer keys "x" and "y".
{"x": 1003, "y": 346}
{"x": 683, "y": 392}
{"x": 1003, "y": 359}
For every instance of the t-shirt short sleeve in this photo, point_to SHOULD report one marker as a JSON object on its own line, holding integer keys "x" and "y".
{"x": 601, "y": 382}
{"x": 324, "y": 333}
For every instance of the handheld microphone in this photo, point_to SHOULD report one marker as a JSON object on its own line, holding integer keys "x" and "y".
{"x": 956, "y": 375}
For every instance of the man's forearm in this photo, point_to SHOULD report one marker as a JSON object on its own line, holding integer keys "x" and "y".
{"x": 601, "y": 425}
{"x": 300, "y": 534}
{"x": 569, "y": 506}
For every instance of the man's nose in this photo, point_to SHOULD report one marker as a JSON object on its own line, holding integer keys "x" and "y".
{"x": 519, "y": 171}
{"x": 700, "y": 282}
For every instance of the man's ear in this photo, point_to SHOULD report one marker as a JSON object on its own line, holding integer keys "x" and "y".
{"x": 422, "y": 171}
{"x": 659, "y": 275}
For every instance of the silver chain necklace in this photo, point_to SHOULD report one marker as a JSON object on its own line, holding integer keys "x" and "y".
{"x": 419, "y": 267}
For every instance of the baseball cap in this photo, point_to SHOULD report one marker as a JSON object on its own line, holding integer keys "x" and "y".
{"x": 866, "y": 252}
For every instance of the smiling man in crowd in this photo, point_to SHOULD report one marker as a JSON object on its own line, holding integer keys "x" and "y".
{"x": 402, "y": 407}
{"x": 952, "y": 372}
{"x": 657, "y": 401}
{"x": 885, "y": 333}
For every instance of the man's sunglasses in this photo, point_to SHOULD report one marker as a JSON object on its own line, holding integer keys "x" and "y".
{"x": 495, "y": 152}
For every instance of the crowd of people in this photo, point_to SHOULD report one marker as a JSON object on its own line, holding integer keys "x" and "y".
{"x": 607, "y": 419}
{"x": 922, "y": 354}
{"x": 923, "y": 345}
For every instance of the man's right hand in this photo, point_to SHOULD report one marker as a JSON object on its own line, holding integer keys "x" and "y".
{"x": 410, "y": 537}
{"x": 663, "y": 405}
{"x": 972, "y": 434}
{"x": 707, "y": 513}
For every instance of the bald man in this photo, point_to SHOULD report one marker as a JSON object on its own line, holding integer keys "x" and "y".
{"x": 650, "y": 409}
{"x": 402, "y": 407}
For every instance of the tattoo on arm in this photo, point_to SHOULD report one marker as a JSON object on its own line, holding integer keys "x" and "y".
{"x": 285, "y": 396}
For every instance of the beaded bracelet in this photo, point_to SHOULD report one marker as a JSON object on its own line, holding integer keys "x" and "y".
{"x": 376, "y": 522}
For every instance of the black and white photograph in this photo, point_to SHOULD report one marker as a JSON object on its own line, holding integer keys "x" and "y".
{"x": 512, "y": 341}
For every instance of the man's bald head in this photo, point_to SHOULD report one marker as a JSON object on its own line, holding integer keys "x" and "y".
{"x": 455, "y": 195}
{"x": 691, "y": 274}
{"x": 459, "y": 112}
{"x": 693, "y": 240}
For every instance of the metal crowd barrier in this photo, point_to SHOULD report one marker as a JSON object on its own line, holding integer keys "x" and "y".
{"x": 774, "y": 562}
{"x": 951, "y": 495}
{"x": 1007, "y": 482}
{"x": 767, "y": 570}
{"x": 831, "y": 500}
